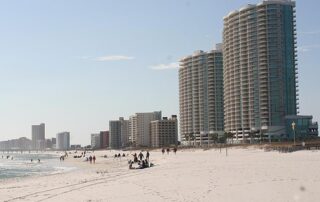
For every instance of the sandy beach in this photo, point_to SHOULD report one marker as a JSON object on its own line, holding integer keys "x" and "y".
{"x": 190, "y": 175}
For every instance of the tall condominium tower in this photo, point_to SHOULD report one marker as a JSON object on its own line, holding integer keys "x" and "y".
{"x": 115, "y": 134}
{"x": 119, "y": 133}
{"x": 38, "y": 136}
{"x": 124, "y": 132}
{"x": 104, "y": 139}
{"x": 201, "y": 95}
{"x": 260, "y": 70}
{"x": 63, "y": 141}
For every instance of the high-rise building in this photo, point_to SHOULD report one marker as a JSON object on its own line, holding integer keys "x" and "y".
{"x": 139, "y": 127}
{"x": 124, "y": 132}
{"x": 260, "y": 69}
{"x": 63, "y": 141}
{"x": 119, "y": 133}
{"x": 38, "y": 137}
{"x": 132, "y": 130}
{"x": 95, "y": 141}
{"x": 201, "y": 95}
{"x": 164, "y": 132}
{"x": 115, "y": 134}
{"x": 104, "y": 139}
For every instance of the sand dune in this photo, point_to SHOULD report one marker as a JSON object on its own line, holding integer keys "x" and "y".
{"x": 191, "y": 175}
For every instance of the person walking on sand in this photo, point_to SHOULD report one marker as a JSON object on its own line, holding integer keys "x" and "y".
{"x": 147, "y": 155}
{"x": 94, "y": 159}
{"x": 140, "y": 156}
{"x": 90, "y": 159}
{"x": 162, "y": 151}
{"x": 168, "y": 150}
{"x": 175, "y": 150}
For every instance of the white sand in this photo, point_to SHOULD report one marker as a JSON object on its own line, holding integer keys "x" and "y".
{"x": 191, "y": 175}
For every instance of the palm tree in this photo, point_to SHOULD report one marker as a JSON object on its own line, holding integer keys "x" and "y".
{"x": 187, "y": 137}
{"x": 193, "y": 138}
{"x": 251, "y": 135}
{"x": 228, "y": 135}
{"x": 214, "y": 137}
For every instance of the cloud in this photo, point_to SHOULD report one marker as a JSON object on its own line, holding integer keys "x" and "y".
{"x": 308, "y": 48}
{"x": 311, "y": 32}
{"x": 173, "y": 65}
{"x": 113, "y": 58}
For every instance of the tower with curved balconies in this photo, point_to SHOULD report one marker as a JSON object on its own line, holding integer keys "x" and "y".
{"x": 201, "y": 96}
{"x": 260, "y": 70}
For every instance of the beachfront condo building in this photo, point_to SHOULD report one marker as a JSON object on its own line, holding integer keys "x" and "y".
{"x": 119, "y": 133}
{"x": 38, "y": 137}
{"x": 63, "y": 141}
{"x": 201, "y": 96}
{"x": 95, "y": 141}
{"x": 260, "y": 68}
{"x": 104, "y": 139}
{"x": 124, "y": 132}
{"x": 115, "y": 134}
{"x": 19, "y": 144}
{"x": 139, "y": 128}
{"x": 164, "y": 132}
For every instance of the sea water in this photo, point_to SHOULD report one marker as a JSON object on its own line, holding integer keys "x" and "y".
{"x": 20, "y": 165}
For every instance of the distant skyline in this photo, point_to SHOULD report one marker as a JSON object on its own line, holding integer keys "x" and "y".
{"x": 74, "y": 65}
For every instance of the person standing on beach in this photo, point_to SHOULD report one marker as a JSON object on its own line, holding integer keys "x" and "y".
{"x": 94, "y": 159}
{"x": 162, "y": 151}
{"x": 140, "y": 156}
{"x": 135, "y": 158}
{"x": 147, "y": 155}
{"x": 90, "y": 159}
{"x": 175, "y": 150}
{"x": 168, "y": 150}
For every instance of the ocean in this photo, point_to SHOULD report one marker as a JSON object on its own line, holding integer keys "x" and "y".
{"x": 19, "y": 165}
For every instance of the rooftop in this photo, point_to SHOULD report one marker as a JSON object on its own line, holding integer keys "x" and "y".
{"x": 265, "y": 2}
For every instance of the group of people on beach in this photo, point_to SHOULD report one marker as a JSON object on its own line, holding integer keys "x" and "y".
{"x": 92, "y": 159}
{"x": 63, "y": 156}
{"x": 138, "y": 159}
{"x": 32, "y": 160}
{"x": 119, "y": 155}
{"x": 168, "y": 150}
{"x": 9, "y": 157}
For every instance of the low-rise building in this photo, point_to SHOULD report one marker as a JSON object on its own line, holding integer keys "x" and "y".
{"x": 164, "y": 132}
{"x": 301, "y": 127}
{"x": 75, "y": 147}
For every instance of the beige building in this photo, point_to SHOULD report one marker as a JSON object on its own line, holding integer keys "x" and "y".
{"x": 124, "y": 132}
{"x": 201, "y": 96}
{"x": 139, "y": 127}
{"x": 164, "y": 132}
{"x": 38, "y": 137}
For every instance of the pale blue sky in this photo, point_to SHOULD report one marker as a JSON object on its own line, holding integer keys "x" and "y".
{"x": 57, "y": 59}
